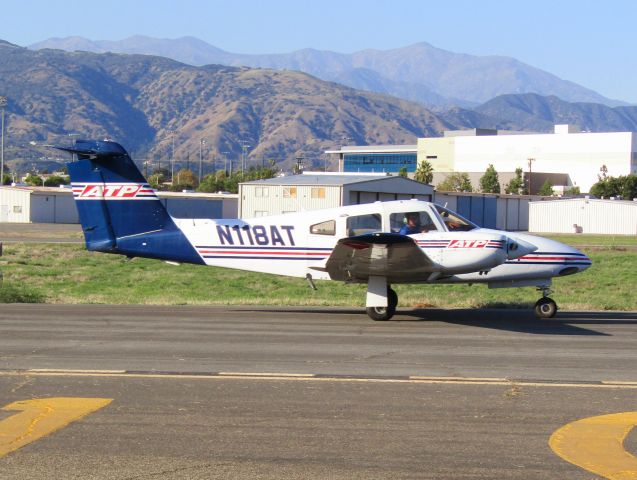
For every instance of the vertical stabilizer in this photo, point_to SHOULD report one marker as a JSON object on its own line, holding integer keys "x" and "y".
{"x": 118, "y": 210}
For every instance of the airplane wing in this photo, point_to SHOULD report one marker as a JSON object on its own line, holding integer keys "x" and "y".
{"x": 390, "y": 255}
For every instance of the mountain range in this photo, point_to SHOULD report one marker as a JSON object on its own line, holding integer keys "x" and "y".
{"x": 148, "y": 103}
{"x": 419, "y": 72}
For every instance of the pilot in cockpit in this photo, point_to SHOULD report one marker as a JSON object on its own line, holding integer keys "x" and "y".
{"x": 412, "y": 224}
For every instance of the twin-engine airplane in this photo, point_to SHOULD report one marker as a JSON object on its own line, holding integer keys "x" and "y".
{"x": 380, "y": 244}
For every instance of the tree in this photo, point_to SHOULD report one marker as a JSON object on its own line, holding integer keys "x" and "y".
{"x": 456, "y": 182}
{"x": 624, "y": 186}
{"x": 546, "y": 189}
{"x": 56, "y": 181}
{"x": 516, "y": 185}
{"x": 424, "y": 172}
{"x": 185, "y": 179}
{"x": 489, "y": 182}
{"x": 402, "y": 172}
{"x": 34, "y": 180}
{"x": 6, "y": 180}
{"x": 572, "y": 191}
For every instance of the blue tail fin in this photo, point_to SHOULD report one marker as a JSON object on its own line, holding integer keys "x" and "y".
{"x": 118, "y": 210}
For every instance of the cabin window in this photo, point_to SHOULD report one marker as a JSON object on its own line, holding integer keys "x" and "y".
{"x": 324, "y": 228}
{"x": 362, "y": 224}
{"x": 410, "y": 223}
{"x": 317, "y": 192}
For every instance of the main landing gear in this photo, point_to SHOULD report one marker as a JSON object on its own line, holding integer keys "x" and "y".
{"x": 381, "y": 299}
{"x": 545, "y": 307}
{"x": 385, "y": 313}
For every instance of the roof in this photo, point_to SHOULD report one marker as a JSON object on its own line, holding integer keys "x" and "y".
{"x": 334, "y": 180}
{"x": 590, "y": 200}
{"x": 376, "y": 149}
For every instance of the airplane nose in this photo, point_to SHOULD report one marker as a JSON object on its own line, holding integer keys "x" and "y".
{"x": 518, "y": 248}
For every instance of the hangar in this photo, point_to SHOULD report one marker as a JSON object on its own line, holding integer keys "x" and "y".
{"x": 56, "y": 205}
{"x": 584, "y": 215}
{"x": 315, "y": 190}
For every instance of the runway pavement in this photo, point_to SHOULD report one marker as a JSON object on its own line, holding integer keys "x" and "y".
{"x": 253, "y": 392}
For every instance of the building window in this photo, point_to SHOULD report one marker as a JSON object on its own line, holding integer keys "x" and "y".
{"x": 318, "y": 192}
{"x": 324, "y": 228}
{"x": 17, "y": 209}
{"x": 379, "y": 162}
{"x": 261, "y": 213}
{"x": 261, "y": 192}
{"x": 289, "y": 192}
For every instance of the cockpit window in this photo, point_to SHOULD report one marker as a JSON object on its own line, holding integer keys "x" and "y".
{"x": 361, "y": 224}
{"x": 408, "y": 223}
{"x": 454, "y": 222}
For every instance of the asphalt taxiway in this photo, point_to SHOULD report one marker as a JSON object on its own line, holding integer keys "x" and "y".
{"x": 252, "y": 392}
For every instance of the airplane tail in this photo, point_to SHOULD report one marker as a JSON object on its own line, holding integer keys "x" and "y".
{"x": 118, "y": 210}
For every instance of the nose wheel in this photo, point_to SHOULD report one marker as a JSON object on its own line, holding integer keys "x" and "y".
{"x": 545, "y": 307}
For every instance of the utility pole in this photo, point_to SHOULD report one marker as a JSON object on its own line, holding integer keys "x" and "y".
{"x": 202, "y": 142}
{"x": 530, "y": 162}
{"x": 3, "y": 104}
{"x": 172, "y": 158}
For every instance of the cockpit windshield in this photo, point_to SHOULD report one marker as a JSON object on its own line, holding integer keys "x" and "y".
{"x": 453, "y": 221}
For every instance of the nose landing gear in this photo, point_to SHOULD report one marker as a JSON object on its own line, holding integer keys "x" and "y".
{"x": 545, "y": 307}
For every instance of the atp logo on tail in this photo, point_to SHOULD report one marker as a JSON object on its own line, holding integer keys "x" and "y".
{"x": 113, "y": 191}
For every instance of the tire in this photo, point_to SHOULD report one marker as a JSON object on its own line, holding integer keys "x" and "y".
{"x": 381, "y": 314}
{"x": 545, "y": 308}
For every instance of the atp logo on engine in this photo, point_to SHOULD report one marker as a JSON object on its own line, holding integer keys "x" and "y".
{"x": 468, "y": 244}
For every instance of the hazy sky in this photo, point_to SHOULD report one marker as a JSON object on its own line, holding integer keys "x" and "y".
{"x": 590, "y": 42}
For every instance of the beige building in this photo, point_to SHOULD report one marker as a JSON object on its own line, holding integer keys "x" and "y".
{"x": 316, "y": 190}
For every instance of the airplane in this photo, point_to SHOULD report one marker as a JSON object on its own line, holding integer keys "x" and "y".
{"x": 369, "y": 243}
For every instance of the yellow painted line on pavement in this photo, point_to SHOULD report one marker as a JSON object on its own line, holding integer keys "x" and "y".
{"x": 468, "y": 379}
{"x": 322, "y": 378}
{"x": 262, "y": 374}
{"x": 596, "y": 444}
{"x": 65, "y": 370}
{"x": 41, "y": 417}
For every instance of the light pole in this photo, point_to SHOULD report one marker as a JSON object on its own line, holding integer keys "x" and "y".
{"x": 172, "y": 159}
{"x": 244, "y": 153}
{"x": 3, "y": 104}
{"x": 202, "y": 142}
{"x": 225, "y": 165}
{"x": 71, "y": 135}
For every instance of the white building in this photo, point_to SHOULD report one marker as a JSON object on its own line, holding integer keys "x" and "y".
{"x": 580, "y": 155}
{"x": 316, "y": 190}
{"x": 583, "y": 215}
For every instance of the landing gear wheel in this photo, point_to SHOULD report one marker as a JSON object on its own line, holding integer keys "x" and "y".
{"x": 381, "y": 314}
{"x": 545, "y": 307}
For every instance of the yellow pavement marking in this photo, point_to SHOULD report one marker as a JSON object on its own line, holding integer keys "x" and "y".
{"x": 597, "y": 444}
{"x": 302, "y": 377}
{"x": 263, "y": 374}
{"x": 40, "y": 417}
